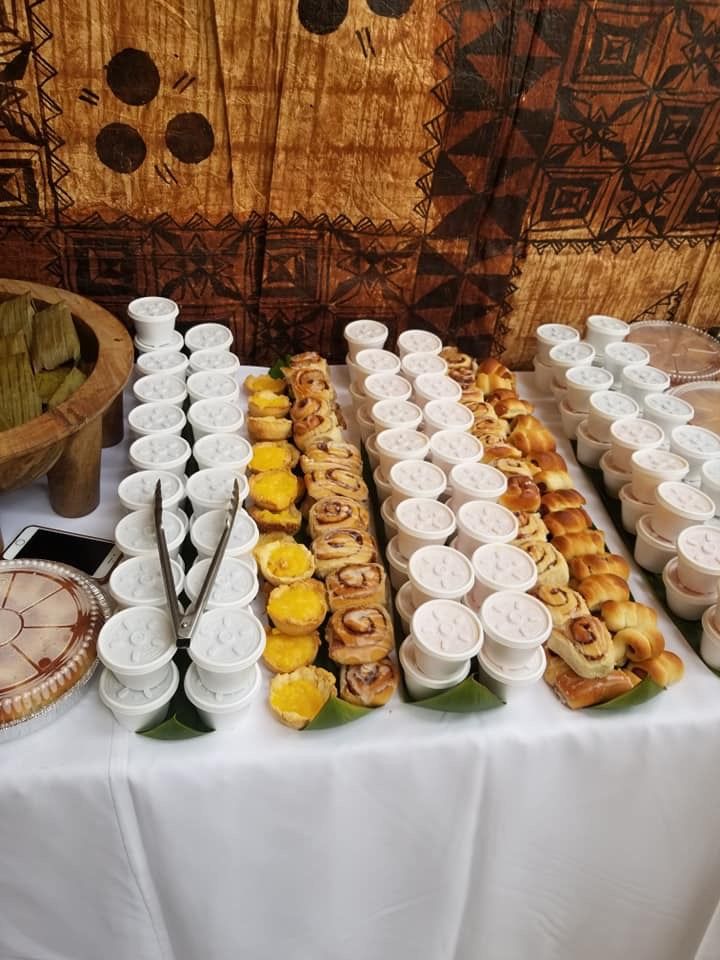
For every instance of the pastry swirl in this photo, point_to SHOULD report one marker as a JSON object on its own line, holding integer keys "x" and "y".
{"x": 531, "y": 526}
{"x": 513, "y": 467}
{"x": 335, "y": 482}
{"x": 356, "y": 583}
{"x": 332, "y": 513}
{"x": 328, "y": 453}
{"x": 585, "y": 644}
{"x": 310, "y": 407}
{"x": 317, "y": 426}
{"x": 457, "y": 360}
{"x": 563, "y": 604}
{"x": 359, "y": 635}
{"x": 310, "y": 382}
{"x": 337, "y": 548}
{"x": 552, "y": 568}
{"x": 369, "y": 684}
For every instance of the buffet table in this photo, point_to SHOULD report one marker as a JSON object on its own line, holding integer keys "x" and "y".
{"x": 525, "y": 832}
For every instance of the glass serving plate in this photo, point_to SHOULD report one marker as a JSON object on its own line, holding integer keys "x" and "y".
{"x": 685, "y": 353}
{"x": 704, "y": 395}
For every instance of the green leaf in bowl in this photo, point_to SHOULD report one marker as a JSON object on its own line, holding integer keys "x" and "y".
{"x": 644, "y": 691}
{"x": 337, "y": 712}
{"x": 470, "y": 696}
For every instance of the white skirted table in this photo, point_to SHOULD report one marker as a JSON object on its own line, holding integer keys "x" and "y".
{"x": 529, "y": 831}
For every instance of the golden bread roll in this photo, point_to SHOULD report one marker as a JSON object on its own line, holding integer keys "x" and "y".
{"x": 666, "y": 668}
{"x": 337, "y": 548}
{"x": 561, "y": 500}
{"x": 547, "y": 461}
{"x": 577, "y": 692}
{"x": 332, "y": 513}
{"x": 530, "y": 436}
{"x": 503, "y": 393}
{"x": 580, "y": 544}
{"x": 487, "y": 382}
{"x": 359, "y": 635}
{"x": 601, "y": 587}
{"x": 641, "y": 644}
{"x": 493, "y": 367}
{"x": 512, "y": 407}
{"x": 531, "y": 526}
{"x": 585, "y": 644}
{"x": 552, "y": 568}
{"x": 521, "y": 494}
{"x": 552, "y": 480}
{"x": 369, "y": 684}
{"x": 563, "y": 604}
{"x": 573, "y": 520}
{"x": 593, "y": 563}
{"x": 628, "y": 613}
{"x": 357, "y": 584}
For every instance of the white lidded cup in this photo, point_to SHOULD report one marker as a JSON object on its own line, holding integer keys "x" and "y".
{"x": 215, "y": 361}
{"x": 698, "y": 550}
{"x": 135, "y": 533}
{"x": 226, "y": 645}
{"x": 176, "y": 342}
{"x": 382, "y": 486}
{"x": 418, "y": 341}
{"x": 365, "y": 422}
{"x": 153, "y": 319}
{"x": 515, "y": 625}
{"x": 614, "y": 479}
{"x": 582, "y": 382}
{"x": 372, "y": 360}
{"x": 236, "y": 583}
{"x": 210, "y": 384}
{"x": 387, "y": 515}
{"x": 549, "y": 335}
{"x": 149, "y": 418}
{"x": 476, "y": 481}
{"x": 414, "y": 365}
{"x": 604, "y": 408}
{"x": 435, "y": 386}
{"x": 420, "y": 686}
{"x": 678, "y": 505}
{"x": 697, "y": 445}
{"x": 138, "y": 709}
{"x": 571, "y": 419}
{"x": 422, "y": 522}
{"x": 358, "y": 398}
{"x": 566, "y": 355}
{"x": 450, "y": 447}
{"x": 589, "y": 450}
{"x": 710, "y": 482}
{"x": 137, "y": 644}
{"x": 710, "y": 642}
{"x": 223, "y": 450}
{"x": 500, "y": 566}
{"x": 559, "y": 392}
{"x": 371, "y": 449}
{"x": 137, "y": 491}
{"x": 543, "y": 374}
{"x": 211, "y": 489}
{"x": 208, "y": 336}
{"x": 411, "y": 479}
{"x": 651, "y": 551}
{"x": 364, "y": 334}
{"x": 405, "y": 606}
{"x": 601, "y": 331}
{"x": 446, "y": 635}
{"x": 667, "y": 411}
{"x": 397, "y": 563}
{"x": 439, "y": 573}
{"x": 387, "y": 386}
{"x": 215, "y": 416}
{"x": 649, "y": 467}
{"x": 631, "y": 434}
{"x": 207, "y": 529}
{"x": 620, "y": 355}
{"x": 631, "y": 509}
{"x": 390, "y": 413}
{"x": 357, "y": 377}
{"x": 160, "y": 387}
{"x": 138, "y": 582}
{"x": 441, "y": 415}
{"x": 221, "y": 711}
{"x": 685, "y": 603}
{"x": 509, "y": 682}
{"x": 484, "y": 521}
{"x": 161, "y": 451}
{"x": 638, "y": 381}
{"x": 171, "y": 362}
{"x": 400, "y": 444}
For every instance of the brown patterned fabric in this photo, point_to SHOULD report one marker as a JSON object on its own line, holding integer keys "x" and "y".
{"x": 475, "y": 167}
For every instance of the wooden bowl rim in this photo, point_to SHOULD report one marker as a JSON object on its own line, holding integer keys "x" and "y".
{"x": 108, "y": 378}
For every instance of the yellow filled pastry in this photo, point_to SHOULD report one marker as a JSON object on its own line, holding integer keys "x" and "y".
{"x": 275, "y": 489}
{"x": 277, "y": 521}
{"x": 264, "y": 382}
{"x": 269, "y": 428}
{"x": 285, "y": 561}
{"x": 273, "y": 455}
{"x": 298, "y": 608}
{"x": 265, "y": 403}
{"x": 284, "y": 653}
{"x": 297, "y": 698}
{"x": 266, "y": 538}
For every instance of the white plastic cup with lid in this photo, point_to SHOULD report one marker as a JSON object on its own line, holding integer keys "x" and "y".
{"x": 508, "y": 683}
{"x": 710, "y": 482}
{"x": 366, "y": 424}
{"x": 649, "y": 467}
{"x": 677, "y": 506}
{"x": 371, "y": 450}
{"x": 446, "y": 635}
{"x": 364, "y": 334}
{"x": 570, "y": 419}
{"x": 357, "y": 377}
{"x": 215, "y": 416}
{"x": 697, "y": 445}
{"x": 543, "y": 374}
{"x": 390, "y": 413}
{"x": 207, "y": 529}
{"x": 208, "y": 336}
{"x": 420, "y": 686}
{"x": 435, "y": 386}
{"x": 400, "y": 444}
{"x": 441, "y": 415}
{"x": 214, "y": 361}
{"x": 476, "y": 481}
{"x": 405, "y": 606}
{"x": 484, "y": 521}
{"x": 382, "y": 485}
{"x": 160, "y": 388}
{"x": 582, "y": 382}
{"x": 614, "y": 479}
{"x": 210, "y": 384}
{"x": 138, "y": 582}
{"x": 138, "y": 709}
{"x": 415, "y": 479}
{"x": 638, "y": 381}
{"x": 226, "y": 645}
{"x": 211, "y": 489}
{"x": 667, "y": 411}
{"x": 601, "y": 331}
{"x": 161, "y": 451}
{"x": 137, "y": 491}
{"x": 450, "y": 447}
{"x": 221, "y": 711}
{"x": 514, "y": 625}
{"x": 387, "y": 386}
{"x": 439, "y": 573}
{"x": 620, "y": 355}
{"x": 153, "y": 319}
{"x": 358, "y": 398}
{"x": 175, "y": 344}
{"x": 414, "y": 365}
{"x": 135, "y": 533}
{"x": 698, "y": 549}
{"x": 151, "y": 418}
{"x": 631, "y": 434}
{"x": 631, "y": 509}
{"x": 604, "y": 408}
{"x": 589, "y": 451}
{"x": 171, "y": 362}
{"x": 236, "y": 583}
{"x": 137, "y": 644}
{"x": 685, "y": 603}
{"x": 651, "y": 551}
{"x": 549, "y": 335}
{"x": 371, "y": 361}
{"x": 387, "y": 515}
{"x": 418, "y": 341}
{"x": 710, "y": 642}
{"x": 500, "y": 566}
{"x": 397, "y": 563}
{"x": 223, "y": 450}
{"x": 421, "y": 523}
{"x": 566, "y": 355}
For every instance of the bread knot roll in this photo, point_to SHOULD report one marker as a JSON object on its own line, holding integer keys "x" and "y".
{"x": 339, "y": 547}
{"x": 599, "y": 588}
{"x": 369, "y": 684}
{"x": 332, "y": 513}
{"x": 552, "y": 568}
{"x": 512, "y": 407}
{"x": 563, "y": 604}
{"x": 561, "y": 500}
{"x": 628, "y": 613}
{"x": 495, "y": 450}
{"x": 574, "y": 520}
{"x": 585, "y": 644}
{"x": 596, "y": 563}
{"x": 580, "y": 544}
{"x": 552, "y": 480}
{"x": 521, "y": 494}
{"x": 665, "y": 669}
{"x": 546, "y": 461}
{"x": 530, "y": 436}
{"x": 359, "y": 635}
{"x": 640, "y": 644}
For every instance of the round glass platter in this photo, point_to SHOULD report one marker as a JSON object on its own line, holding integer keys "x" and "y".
{"x": 685, "y": 353}
{"x": 704, "y": 395}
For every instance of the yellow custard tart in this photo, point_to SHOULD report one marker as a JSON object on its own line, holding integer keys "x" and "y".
{"x": 273, "y": 455}
{"x": 277, "y": 521}
{"x": 285, "y": 562}
{"x": 264, "y": 382}
{"x": 298, "y": 608}
{"x": 275, "y": 489}
{"x": 265, "y": 403}
{"x": 268, "y": 428}
{"x": 297, "y": 698}
{"x": 284, "y": 653}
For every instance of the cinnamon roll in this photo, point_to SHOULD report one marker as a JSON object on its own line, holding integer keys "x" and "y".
{"x": 337, "y": 548}
{"x": 585, "y": 645}
{"x": 305, "y": 361}
{"x": 369, "y": 684}
{"x": 563, "y": 604}
{"x": 513, "y": 467}
{"x": 310, "y": 407}
{"x": 327, "y": 453}
{"x": 310, "y": 382}
{"x": 462, "y": 376}
{"x": 552, "y": 568}
{"x": 359, "y": 635}
{"x": 355, "y": 584}
{"x": 332, "y": 513}
{"x": 457, "y": 360}
{"x": 480, "y": 409}
{"x": 490, "y": 425}
{"x": 531, "y": 526}
{"x": 318, "y": 426}
{"x": 496, "y": 450}
{"x": 335, "y": 482}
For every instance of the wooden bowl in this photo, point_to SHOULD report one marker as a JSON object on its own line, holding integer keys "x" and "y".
{"x": 65, "y": 443}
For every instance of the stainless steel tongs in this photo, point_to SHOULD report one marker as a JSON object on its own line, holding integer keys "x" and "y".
{"x": 184, "y": 624}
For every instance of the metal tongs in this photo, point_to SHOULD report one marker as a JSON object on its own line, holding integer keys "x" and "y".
{"x": 184, "y": 624}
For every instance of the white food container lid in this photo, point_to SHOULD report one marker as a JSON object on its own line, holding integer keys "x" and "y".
{"x": 613, "y": 406}
{"x": 415, "y": 364}
{"x": 659, "y": 462}
{"x": 160, "y": 386}
{"x": 365, "y": 330}
{"x": 667, "y": 405}
{"x": 487, "y": 520}
{"x": 162, "y": 361}
{"x": 700, "y": 546}
{"x": 226, "y": 641}
{"x": 235, "y": 584}
{"x": 148, "y": 418}
{"x": 221, "y": 703}
{"x": 159, "y": 449}
{"x": 696, "y": 441}
{"x": 208, "y": 336}
{"x": 207, "y": 529}
{"x": 447, "y": 629}
{"x": 137, "y": 492}
{"x": 136, "y": 639}
{"x": 685, "y": 501}
{"x": 500, "y": 566}
{"x": 515, "y": 619}
{"x": 138, "y": 581}
{"x": 448, "y": 415}
{"x": 221, "y": 361}
{"x": 206, "y": 384}
{"x": 521, "y": 675}
{"x": 223, "y": 449}
{"x": 571, "y": 354}
{"x": 390, "y": 386}
{"x": 627, "y": 354}
{"x": 154, "y": 308}
{"x": 589, "y": 378}
{"x": 128, "y": 702}
{"x": 213, "y": 415}
{"x": 403, "y": 443}
{"x": 417, "y": 478}
{"x": 135, "y": 533}
{"x": 437, "y": 386}
{"x": 375, "y": 360}
{"x": 418, "y": 341}
{"x": 441, "y": 571}
{"x": 399, "y": 412}
{"x": 175, "y": 342}
{"x": 633, "y": 434}
{"x": 456, "y": 445}
{"x": 419, "y": 516}
{"x": 479, "y": 479}
{"x": 557, "y": 333}
{"x": 212, "y": 488}
{"x": 646, "y": 378}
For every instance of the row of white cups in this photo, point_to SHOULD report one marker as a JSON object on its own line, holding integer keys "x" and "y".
{"x": 469, "y": 598}
{"x": 652, "y": 463}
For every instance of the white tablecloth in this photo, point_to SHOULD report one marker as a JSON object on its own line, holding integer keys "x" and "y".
{"x": 525, "y": 832}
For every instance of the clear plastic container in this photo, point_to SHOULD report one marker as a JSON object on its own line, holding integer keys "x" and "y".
{"x": 685, "y": 353}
